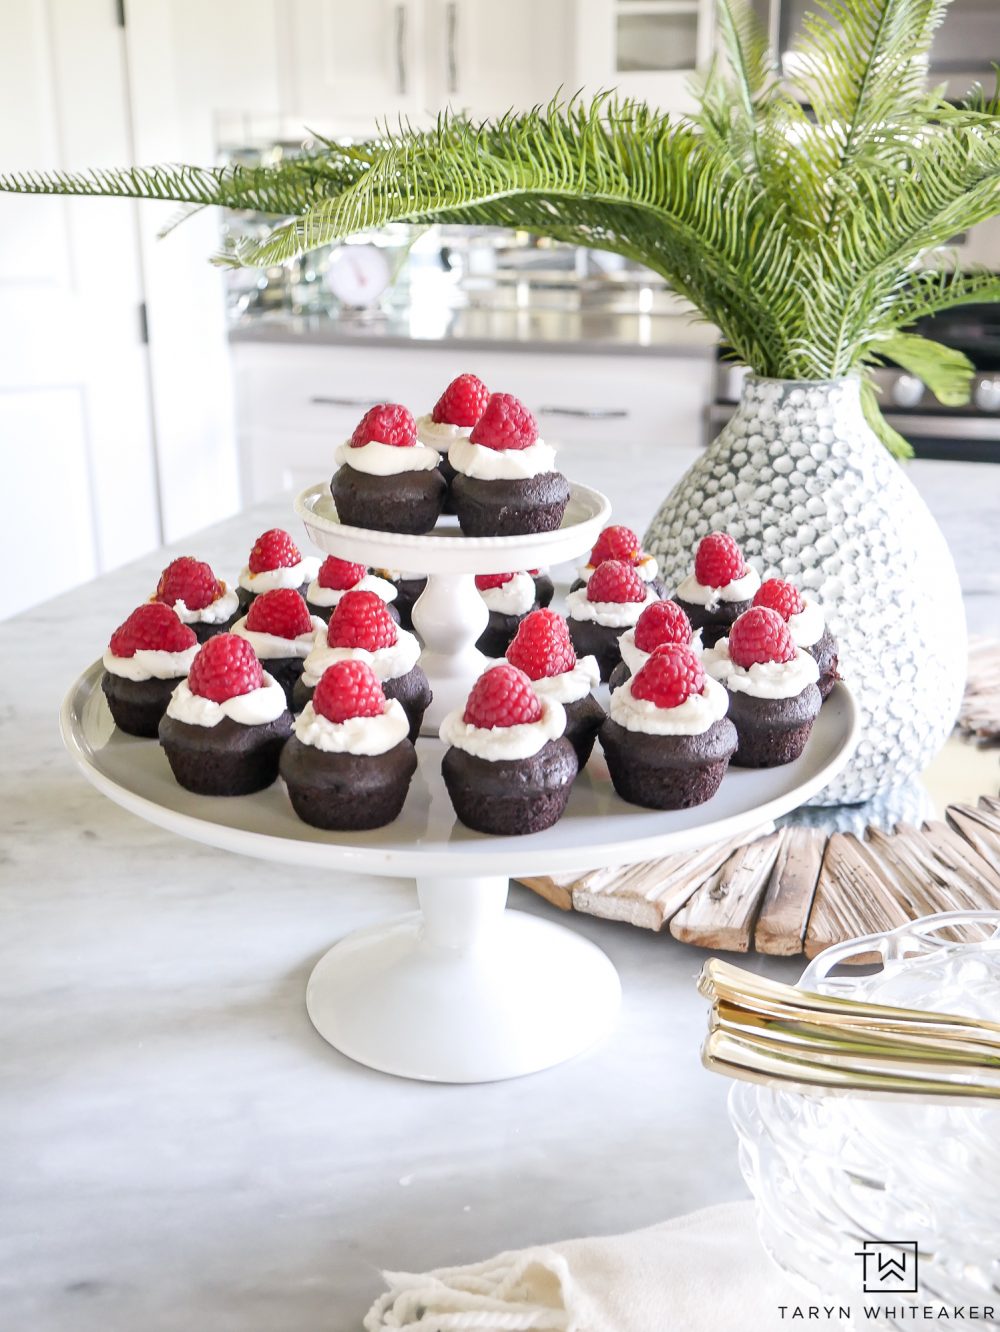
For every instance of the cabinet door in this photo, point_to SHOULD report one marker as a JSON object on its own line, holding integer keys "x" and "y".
{"x": 644, "y": 48}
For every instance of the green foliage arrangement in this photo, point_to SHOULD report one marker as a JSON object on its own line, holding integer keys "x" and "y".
{"x": 812, "y": 238}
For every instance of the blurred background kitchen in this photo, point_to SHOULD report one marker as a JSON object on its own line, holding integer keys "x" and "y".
{"x": 145, "y": 394}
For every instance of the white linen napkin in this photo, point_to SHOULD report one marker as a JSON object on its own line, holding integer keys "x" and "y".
{"x": 697, "y": 1273}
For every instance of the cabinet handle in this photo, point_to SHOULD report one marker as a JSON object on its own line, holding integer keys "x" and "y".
{"x": 451, "y": 27}
{"x": 588, "y": 413}
{"x": 401, "y": 49}
{"x": 321, "y": 400}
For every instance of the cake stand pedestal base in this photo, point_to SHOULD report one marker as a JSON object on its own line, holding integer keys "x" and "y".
{"x": 463, "y": 990}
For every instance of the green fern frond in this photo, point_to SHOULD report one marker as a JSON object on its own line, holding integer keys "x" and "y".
{"x": 897, "y": 445}
{"x": 946, "y": 372}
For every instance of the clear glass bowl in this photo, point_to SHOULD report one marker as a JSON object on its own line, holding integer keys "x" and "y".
{"x": 832, "y": 1171}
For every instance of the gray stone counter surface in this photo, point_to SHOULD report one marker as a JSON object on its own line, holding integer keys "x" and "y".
{"x": 183, "y": 1153}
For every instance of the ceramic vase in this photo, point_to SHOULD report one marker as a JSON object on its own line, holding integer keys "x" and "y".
{"x": 802, "y": 482}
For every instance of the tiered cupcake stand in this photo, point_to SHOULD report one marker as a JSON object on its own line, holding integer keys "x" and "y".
{"x": 461, "y": 990}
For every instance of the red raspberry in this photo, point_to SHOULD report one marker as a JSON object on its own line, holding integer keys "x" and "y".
{"x": 338, "y": 575}
{"x": 484, "y": 581}
{"x": 153, "y": 627}
{"x": 760, "y": 635}
{"x": 780, "y": 596}
{"x": 282, "y": 613}
{"x": 505, "y": 424}
{"x": 462, "y": 403}
{"x": 274, "y": 549}
{"x": 615, "y": 581}
{"x": 389, "y": 424}
{"x": 348, "y": 689}
{"x": 189, "y": 580}
{"x": 672, "y": 674}
{"x": 360, "y": 620}
{"x": 662, "y": 622}
{"x": 616, "y": 543}
{"x": 502, "y": 696}
{"x": 542, "y": 646}
{"x": 225, "y": 666}
{"x": 718, "y": 560}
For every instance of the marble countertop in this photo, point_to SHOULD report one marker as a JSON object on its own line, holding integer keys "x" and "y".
{"x": 183, "y": 1151}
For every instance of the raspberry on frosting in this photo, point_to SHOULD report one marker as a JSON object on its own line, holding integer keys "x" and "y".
{"x": 273, "y": 549}
{"x": 542, "y": 646}
{"x": 760, "y": 635}
{"x": 780, "y": 596}
{"x": 225, "y": 667}
{"x": 718, "y": 560}
{"x": 673, "y": 673}
{"x": 615, "y": 581}
{"x": 386, "y": 423}
{"x": 485, "y": 581}
{"x": 462, "y": 403}
{"x": 662, "y": 622}
{"x": 339, "y": 575}
{"x": 153, "y": 627}
{"x": 282, "y": 613}
{"x": 348, "y": 689}
{"x": 616, "y": 543}
{"x": 501, "y": 697}
{"x": 505, "y": 424}
{"x": 360, "y": 620}
{"x": 189, "y": 580}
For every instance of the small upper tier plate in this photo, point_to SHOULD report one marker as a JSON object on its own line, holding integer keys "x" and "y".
{"x": 446, "y": 550}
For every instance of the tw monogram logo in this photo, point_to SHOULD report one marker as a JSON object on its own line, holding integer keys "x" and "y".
{"x": 889, "y": 1265}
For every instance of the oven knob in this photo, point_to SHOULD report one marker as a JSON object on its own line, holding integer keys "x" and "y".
{"x": 987, "y": 394}
{"x": 907, "y": 391}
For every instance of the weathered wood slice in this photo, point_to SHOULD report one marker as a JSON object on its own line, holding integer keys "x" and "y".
{"x": 969, "y": 823}
{"x": 784, "y": 912}
{"x": 980, "y": 712}
{"x": 853, "y": 896}
{"x": 560, "y": 895}
{"x": 722, "y": 911}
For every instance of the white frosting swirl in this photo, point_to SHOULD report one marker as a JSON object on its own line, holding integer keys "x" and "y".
{"x": 612, "y": 614}
{"x": 740, "y": 589}
{"x": 256, "y": 708}
{"x": 387, "y": 663}
{"x": 515, "y": 597}
{"x": 356, "y": 735}
{"x": 378, "y": 459}
{"x": 440, "y": 435}
{"x": 767, "y": 679}
{"x": 692, "y": 717}
{"x": 330, "y": 596}
{"x": 635, "y": 658}
{"x": 476, "y": 460}
{"x": 505, "y": 742}
{"x": 269, "y": 580}
{"x": 151, "y": 663}
{"x": 225, "y": 605}
{"x": 268, "y": 647}
{"x": 807, "y": 627}
{"x": 572, "y": 685}
{"x": 647, "y": 569}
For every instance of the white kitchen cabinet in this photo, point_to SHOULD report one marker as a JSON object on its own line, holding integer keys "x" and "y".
{"x": 295, "y": 404}
{"x": 647, "y": 49}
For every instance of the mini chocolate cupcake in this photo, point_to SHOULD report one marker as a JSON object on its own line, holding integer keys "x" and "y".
{"x": 720, "y": 589}
{"x": 509, "y": 597}
{"x": 146, "y": 659}
{"x": 509, "y": 768}
{"x": 386, "y": 480}
{"x": 599, "y": 613}
{"x": 662, "y": 622}
{"x": 621, "y": 543}
{"x": 807, "y": 626}
{"x": 545, "y": 589}
{"x": 349, "y": 762}
{"x": 542, "y": 648}
{"x": 200, "y": 600}
{"x": 335, "y": 577}
{"x": 225, "y": 725}
{"x": 506, "y": 484}
{"x": 361, "y": 629}
{"x": 455, "y": 413}
{"x": 668, "y": 741}
{"x": 275, "y": 562}
{"x": 773, "y": 698}
{"x": 282, "y": 633}
{"x": 408, "y": 590}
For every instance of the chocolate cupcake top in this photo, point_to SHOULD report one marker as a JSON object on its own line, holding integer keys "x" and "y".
{"x": 759, "y": 658}
{"x": 454, "y": 414}
{"x": 226, "y": 680}
{"x": 335, "y": 577}
{"x": 615, "y": 596}
{"x": 693, "y": 716}
{"x": 663, "y": 622}
{"x": 503, "y": 445}
{"x": 194, "y": 593}
{"x": 361, "y": 629}
{"x": 152, "y": 644}
{"x": 804, "y": 617}
{"x": 276, "y": 562}
{"x": 278, "y": 625}
{"x": 384, "y": 443}
{"x": 720, "y": 574}
{"x": 543, "y": 650}
{"x": 507, "y": 594}
{"x": 504, "y": 718}
{"x": 620, "y": 543}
